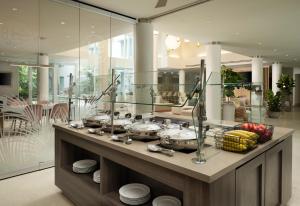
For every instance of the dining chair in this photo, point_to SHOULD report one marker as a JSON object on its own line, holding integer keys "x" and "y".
{"x": 59, "y": 112}
{"x": 35, "y": 112}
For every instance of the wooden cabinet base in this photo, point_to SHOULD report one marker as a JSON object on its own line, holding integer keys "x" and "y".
{"x": 263, "y": 180}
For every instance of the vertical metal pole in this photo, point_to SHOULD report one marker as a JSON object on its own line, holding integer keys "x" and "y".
{"x": 112, "y": 101}
{"x": 70, "y": 96}
{"x": 201, "y": 116}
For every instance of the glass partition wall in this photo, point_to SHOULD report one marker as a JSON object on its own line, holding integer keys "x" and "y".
{"x": 42, "y": 43}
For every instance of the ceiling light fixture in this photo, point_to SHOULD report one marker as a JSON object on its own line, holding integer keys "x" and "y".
{"x": 172, "y": 42}
{"x": 93, "y": 26}
{"x": 155, "y": 32}
{"x": 286, "y": 55}
{"x": 14, "y": 9}
{"x": 275, "y": 50}
{"x": 1, "y": 23}
{"x": 187, "y": 40}
{"x": 62, "y": 23}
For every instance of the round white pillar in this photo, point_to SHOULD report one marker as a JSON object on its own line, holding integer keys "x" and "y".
{"x": 257, "y": 70}
{"x": 43, "y": 78}
{"x": 181, "y": 85}
{"x": 256, "y": 97}
{"x": 213, "y": 88}
{"x": 276, "y": 73}
{"x": 155, "y": 61}
{"x": 143, "y": 65}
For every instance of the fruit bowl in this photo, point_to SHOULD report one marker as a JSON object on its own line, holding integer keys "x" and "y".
{"x": 264, "y": 131}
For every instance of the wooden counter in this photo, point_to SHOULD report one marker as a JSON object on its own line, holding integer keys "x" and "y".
{"x": 226, "y": 179}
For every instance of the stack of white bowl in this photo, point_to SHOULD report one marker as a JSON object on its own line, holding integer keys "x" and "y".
{"x": 84, "y": 166}
{"x": 96, "y": 176}
{"x": 166, "y": 201}
{"x": 134, "y": 194}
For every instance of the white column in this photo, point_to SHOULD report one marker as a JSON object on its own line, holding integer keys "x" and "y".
{"x": 276, "y": 73}
{"x": 213, "y": 92}
{"x": 155, "y": 61}
{"x": 257, "y": 79}
{"x": 143, "y": 64}
{"x": 43, "y": 78}
{"x": 55, "y": 84}
{"x": 256, "y": 97}
{"x": 257, "y": 70}
{"x": 181, "y": 85}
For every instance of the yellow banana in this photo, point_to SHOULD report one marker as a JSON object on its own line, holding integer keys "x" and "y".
{"x": 233, "y": 146}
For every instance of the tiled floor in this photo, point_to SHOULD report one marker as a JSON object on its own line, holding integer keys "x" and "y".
{"x": 36, "y": 189}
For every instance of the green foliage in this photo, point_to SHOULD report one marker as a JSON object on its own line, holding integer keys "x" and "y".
{"x": 273, "y": 101}
{"x": 87, "y": 84}
{"x": 231, "y": 80}
{"x": 24, "y": 81}
{"x": 286, "y": 83}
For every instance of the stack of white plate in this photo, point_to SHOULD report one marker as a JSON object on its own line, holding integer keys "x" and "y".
{"x": 134, "y": 194}
{"x": 96, "y": 176}
{"x": 166, "y": 201}
{"x": 84, "y": 166}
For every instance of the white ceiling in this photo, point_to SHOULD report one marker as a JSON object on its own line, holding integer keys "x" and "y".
{"x": 267, "y": 28}
{"x": 137, "y": 8}
{"x": 20, "y": 29}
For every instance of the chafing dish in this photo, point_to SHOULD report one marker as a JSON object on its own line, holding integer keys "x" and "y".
{"x": 143, "y": 130}
{"x": 178, "y": 138}
{"x": 96, "y": 121}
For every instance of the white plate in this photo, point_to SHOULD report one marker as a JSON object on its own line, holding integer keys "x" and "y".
{"x": 85, "y": 170}
{"x": 134, "y": 191}
{"x": 84, "y": 164}
{"x": 135, "y": 201}
{"x": 166, "y": 201}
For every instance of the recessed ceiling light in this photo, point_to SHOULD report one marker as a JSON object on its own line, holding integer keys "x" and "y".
{"x": 187, "y": 40}
{"x": 62, "y": 23}
{"x": 295, "y": 59}
{"x": 93, "y": 26}
{"x": 155, "y": 32}
{"x": 286, "y": 55}
{"x": 14, "y": 9}
{"x": 1, "y": 23}
{"x": 15, "y": 47}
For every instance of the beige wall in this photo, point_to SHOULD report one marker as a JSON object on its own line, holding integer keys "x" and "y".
{"x": 13, "y": 89}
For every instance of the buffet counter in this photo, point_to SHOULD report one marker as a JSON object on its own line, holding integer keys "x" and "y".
{"x": 259, "y": 177}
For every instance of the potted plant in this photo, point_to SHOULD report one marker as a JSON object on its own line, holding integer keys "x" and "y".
{"x": 230, "y": 81}
{"x": 273, "y": 104}
{"x": 286, "y": 85}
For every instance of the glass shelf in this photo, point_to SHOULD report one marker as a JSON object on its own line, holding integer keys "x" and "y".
{"x": 139, "y": 89}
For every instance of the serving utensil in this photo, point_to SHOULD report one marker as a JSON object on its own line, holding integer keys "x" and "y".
{"x": 155, "y": 148}
{"x": 125, "y": 140}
